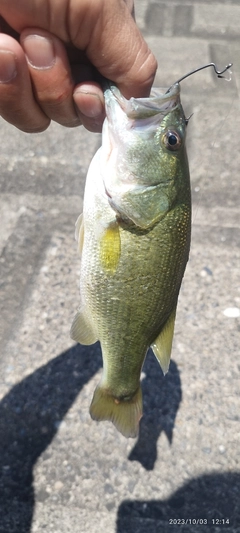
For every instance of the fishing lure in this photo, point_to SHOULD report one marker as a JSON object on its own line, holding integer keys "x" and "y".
{"x": 218, "y": 72}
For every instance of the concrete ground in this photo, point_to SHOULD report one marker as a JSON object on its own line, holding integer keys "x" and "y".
{"x": 60, "y": 471}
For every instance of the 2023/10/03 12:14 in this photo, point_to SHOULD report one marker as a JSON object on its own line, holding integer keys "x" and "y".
{"x": 200, "y": 521}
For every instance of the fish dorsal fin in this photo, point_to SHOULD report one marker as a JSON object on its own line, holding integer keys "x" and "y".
{"x": 79, "y": 232}
{"x": 162, "y": 345}
{"x": 82, "y": 330}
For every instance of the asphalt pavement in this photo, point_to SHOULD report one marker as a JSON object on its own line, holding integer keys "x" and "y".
{"x": 60, "y": 471}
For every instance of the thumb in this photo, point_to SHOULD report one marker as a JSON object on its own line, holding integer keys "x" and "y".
{"x": 104, "y": 29}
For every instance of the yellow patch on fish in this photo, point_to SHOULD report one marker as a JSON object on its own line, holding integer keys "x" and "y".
{"x": 110, "y": 248}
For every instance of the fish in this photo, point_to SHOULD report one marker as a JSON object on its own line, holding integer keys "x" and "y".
{"x": 134, "y": 240}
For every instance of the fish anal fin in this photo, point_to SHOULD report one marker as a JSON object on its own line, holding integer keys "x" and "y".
{"x": 124, "y": 414}
{"x": 162, "y": 346}
{"x": 82, "y": 331}
{"x": 79, "y": 232}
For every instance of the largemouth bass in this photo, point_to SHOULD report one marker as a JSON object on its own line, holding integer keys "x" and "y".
{"x": 134, "y": 239}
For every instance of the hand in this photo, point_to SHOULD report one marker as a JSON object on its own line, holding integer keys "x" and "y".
{"x": 50, "y": 51}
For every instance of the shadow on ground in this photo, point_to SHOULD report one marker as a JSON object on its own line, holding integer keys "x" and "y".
{"x": 212, "y": 498}
{"x": 29, "y": 418}
{"x": 161, "y": 400}
{"x": 30, "y": 414}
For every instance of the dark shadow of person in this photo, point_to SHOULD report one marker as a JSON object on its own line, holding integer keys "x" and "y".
{"x": 209, "y": 500}
{"x": 161, "y": 400}
{"x": 29, "y": 417}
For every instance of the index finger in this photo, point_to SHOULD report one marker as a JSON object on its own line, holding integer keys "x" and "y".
{"x": 120, "y": 52}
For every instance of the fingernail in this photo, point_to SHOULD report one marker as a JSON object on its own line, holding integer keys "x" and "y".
{"x": 91, "y": 106}
{"x": 8, "y": 70}
{"x": 39, "y": 51}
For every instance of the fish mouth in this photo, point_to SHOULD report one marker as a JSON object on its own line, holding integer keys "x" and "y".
{"x": 159, "y": 102}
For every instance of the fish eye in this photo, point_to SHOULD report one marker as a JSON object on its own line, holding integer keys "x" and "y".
{"x": 172, "y": 140}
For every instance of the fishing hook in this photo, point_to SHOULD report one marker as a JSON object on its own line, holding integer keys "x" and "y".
{"x": 218, "y": 72}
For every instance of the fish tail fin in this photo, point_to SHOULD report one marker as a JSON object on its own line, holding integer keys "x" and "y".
{"x": 124, "y": 414}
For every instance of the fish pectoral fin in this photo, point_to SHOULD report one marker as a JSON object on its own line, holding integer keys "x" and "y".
{"x": 124, "y": 414}
{"x": 110, "y": 248}
{"x": 82, "y": 331}
{"x": 79, "y": 232}
{"x": 162, "y": 345}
